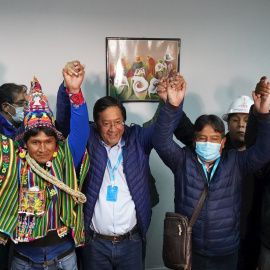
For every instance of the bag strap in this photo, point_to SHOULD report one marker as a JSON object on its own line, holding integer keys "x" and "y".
{"x": 198, "y": 207}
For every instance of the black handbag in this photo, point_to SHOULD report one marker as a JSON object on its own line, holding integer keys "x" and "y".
{"x": 177, "y": 237}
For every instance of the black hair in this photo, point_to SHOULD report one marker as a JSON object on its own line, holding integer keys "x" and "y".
{"x": 34, "y": 131}
{"x": 106, "y": 102}
{"x": 209, "y": 119}
{"x": 230, "y": 115}
{"x": 8, "y": 92}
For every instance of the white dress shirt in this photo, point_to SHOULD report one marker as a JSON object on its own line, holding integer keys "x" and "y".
{"x": 117, "y": 217}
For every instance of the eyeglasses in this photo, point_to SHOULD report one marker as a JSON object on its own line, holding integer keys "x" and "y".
{"x": 21, "y": 103}
{"x": 116, "y": 124}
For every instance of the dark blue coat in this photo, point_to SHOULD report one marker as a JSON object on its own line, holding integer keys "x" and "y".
{"x": 138, "y": 145}
{"x": 8, "y": 130}
{"x": 216, "y": 231}
{"x": 136, "y": 152}
{"x": 262, "y": 199}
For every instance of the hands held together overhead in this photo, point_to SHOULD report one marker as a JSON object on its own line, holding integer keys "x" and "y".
{"x": 261, "y": 96}
{"x": 173, "y": 88}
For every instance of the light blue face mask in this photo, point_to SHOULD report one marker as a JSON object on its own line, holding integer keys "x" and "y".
{"x": 19, "y": 115}
{"x": 208, "y": 151}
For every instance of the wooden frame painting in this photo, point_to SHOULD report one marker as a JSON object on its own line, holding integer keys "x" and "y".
{"x": 134, "y": 66}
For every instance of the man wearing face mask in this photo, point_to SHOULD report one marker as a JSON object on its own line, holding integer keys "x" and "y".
{"x": 236, "y": 119}
{"x": 220, "y": 171}
{"x": 13, "y": 101}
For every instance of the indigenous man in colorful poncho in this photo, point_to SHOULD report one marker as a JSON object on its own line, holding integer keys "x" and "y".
{"x": 43, "y": 221}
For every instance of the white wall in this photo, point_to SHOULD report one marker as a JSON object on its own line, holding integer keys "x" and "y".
{"x": 224, "y": 52}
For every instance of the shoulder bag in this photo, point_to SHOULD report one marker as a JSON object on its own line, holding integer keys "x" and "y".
{"x": 177, "y": 240}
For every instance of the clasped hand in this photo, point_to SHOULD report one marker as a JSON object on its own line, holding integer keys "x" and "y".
{"x": 73, "y": 74}
{"x": 261, "y": 96}
{"x": 173, "y": 88}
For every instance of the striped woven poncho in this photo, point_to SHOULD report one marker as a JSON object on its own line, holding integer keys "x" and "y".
{"x": 60, "y": 211}
{"x": 8, "y": 188}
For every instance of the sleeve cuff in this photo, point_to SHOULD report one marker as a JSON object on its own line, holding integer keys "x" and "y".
{"x": 76, "y": 99}
{"x": 172, "y": 107}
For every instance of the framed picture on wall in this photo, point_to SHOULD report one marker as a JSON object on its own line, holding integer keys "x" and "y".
{"x": 134, "y": 66}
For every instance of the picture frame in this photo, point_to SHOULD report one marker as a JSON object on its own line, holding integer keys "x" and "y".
{"x": 134, "y": 66}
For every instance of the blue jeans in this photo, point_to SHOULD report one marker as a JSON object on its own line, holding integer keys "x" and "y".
{"x": 68, "y": 263}
{"x": 227, "y": 262}
{"x": 101, "y": 254}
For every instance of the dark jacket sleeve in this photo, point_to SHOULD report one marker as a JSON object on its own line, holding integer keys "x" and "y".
{"x": 184, "y": 131}
{"x": 63, "y": 111}
{"x": 145, "y": 137}
{"x": 168, "y": 150}
{"x": 250, "y": 139}
{"x": 251, "y": 129}
{"x": 259, "y": 154}
{"x": 154, "y": 119}
{"x": 154, "y": 196}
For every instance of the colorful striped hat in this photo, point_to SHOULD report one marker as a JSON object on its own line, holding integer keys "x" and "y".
{"x": 38, "y": 112}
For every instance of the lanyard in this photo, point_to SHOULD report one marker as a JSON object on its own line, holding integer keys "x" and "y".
{"x": 112, "y": 170}
{"x": 212, "y": 172}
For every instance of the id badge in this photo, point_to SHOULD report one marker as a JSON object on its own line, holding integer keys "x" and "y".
{"x": 112, "y": 193}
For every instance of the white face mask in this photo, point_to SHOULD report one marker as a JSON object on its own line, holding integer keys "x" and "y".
{"x": 19, "y": 115}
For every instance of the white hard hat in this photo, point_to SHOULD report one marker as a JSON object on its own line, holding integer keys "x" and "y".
{"x": 241, "y": 104}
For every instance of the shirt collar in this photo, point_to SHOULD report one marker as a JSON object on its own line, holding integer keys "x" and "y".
{"x": 120, "y": 143}
{"x": 207, "y": 168}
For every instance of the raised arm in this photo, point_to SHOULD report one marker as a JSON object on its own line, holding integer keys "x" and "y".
{"x": 261, "y": 96}
{"x": 79, "y": 123}
{"x": 63, "y": 110}
{"x": 259, "y": 154}
{"x": 167, "y": 121}
{"x": 184, "y": 131}
{"x": 262, "y": 88}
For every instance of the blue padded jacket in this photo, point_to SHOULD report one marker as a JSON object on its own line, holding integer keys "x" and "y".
{"x": 216, "y": 231}
{"x": 138, "y": 145}
{"x": 136, "y": 152}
